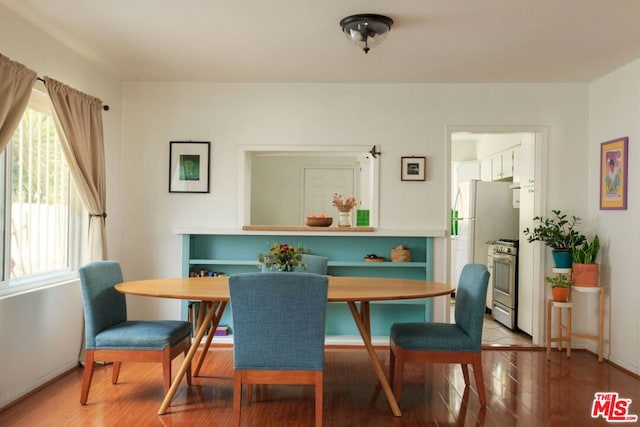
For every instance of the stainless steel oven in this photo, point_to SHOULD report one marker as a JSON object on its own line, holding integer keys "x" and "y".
{"x": 505, "y": 282}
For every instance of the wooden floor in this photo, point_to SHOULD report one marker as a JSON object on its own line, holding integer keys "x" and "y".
{"x": 523, "y": 389}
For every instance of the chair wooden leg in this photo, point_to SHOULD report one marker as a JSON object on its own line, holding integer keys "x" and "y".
{"x": 87, "y": 376}
{"x": 477, "y": 371}
{"x": 166, "y": 368}
{"x": 465, "y": 374}
{"x": 237, "y": 397}
{"x": 398, "y": 372}
{"x": 115, "y": 373}
{"x": 319, "y": 398}
{"x": 392, "y": 365}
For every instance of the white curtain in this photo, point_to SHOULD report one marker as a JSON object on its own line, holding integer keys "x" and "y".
{"x": 78, "y": 119}
{"x": 16, "y": 82}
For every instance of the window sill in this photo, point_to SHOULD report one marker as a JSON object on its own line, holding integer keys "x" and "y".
{"x": 36, "y": 283}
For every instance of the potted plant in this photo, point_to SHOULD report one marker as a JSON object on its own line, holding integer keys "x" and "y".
{"x": 560, "y": 287}
{"x": 585, "y": 268}
{"x": 559, "y": 233}
{"x": 282, "y": 257}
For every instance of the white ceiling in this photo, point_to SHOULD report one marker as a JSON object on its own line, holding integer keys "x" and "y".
{"x": 300, "y": 40}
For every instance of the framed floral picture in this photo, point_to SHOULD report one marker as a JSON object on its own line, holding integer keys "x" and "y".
{"x": 189, "y": 167}
{"x": 613, "y": 174}
{"x": 412, "y": 168}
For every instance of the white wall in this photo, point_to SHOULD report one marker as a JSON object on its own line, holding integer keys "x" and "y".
{"x": 406, "y": 120}
{"x": 615, "y": 108}
{"x": 41, "y": 332}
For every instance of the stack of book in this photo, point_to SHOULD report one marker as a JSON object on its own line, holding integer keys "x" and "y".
{"x": 222, "y": 330}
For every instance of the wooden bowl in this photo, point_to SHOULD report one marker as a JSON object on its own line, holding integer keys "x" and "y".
{"x": 316, "y": 221}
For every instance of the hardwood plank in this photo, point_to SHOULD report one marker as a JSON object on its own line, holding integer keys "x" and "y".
{"x": 522, "y": 389}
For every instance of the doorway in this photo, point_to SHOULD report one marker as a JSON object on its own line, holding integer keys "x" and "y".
{"x": 320, "y": 183}
{"x": 480, "y": 149}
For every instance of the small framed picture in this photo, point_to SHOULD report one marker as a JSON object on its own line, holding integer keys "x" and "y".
{"x": 413, "y": 168}
{"x": 613, "y": 174}
{"x": 189, "y": 167}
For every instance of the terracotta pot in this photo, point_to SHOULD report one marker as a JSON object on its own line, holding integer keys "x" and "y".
{"x": 560, "y": 294}
{"x": 585, "y": 274}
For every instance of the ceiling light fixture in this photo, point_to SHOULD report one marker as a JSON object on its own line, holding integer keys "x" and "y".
{"x": 366, "y": 30}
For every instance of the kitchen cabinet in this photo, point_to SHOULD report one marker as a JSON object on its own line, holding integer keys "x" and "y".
{"x": 502, "y": 165}
{"x": 497, "y": 167}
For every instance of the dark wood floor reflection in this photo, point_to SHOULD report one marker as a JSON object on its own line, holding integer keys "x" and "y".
{"x": 523, "y": 389}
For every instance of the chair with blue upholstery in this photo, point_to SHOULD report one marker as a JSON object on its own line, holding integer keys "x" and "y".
{"x": 110, "y": 337}
{"x": 459, "y": 342}
{"x": 278, "y": 332}
{"x": 315, "y": 263}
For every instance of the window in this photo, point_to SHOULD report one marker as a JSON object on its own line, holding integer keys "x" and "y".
{"x": 40, "y": 207}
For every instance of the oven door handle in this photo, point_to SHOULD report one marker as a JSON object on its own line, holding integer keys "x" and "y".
{"x": 503, "y": 257}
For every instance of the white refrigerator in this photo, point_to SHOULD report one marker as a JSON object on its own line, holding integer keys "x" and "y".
{"x": 485, "y": 213}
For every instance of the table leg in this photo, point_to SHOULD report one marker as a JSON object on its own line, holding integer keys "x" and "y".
{"x": 366, "y": 317}
{"x": 204, "y": 306}
{"x": 214, "y": 324}
{"x": 187, "y": 360}
{"x": 363, "y": 326}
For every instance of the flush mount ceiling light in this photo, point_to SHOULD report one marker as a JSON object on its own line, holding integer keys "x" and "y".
{"x": 366, "y": 30}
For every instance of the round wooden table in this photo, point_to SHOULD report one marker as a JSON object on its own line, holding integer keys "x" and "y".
{"x": 214, "y": 293}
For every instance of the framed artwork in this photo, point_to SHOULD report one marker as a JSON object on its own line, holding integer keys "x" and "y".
{"x": 412, "y": 168}
{"x": 613, "y": 174}
{"x": 189, "y": 167}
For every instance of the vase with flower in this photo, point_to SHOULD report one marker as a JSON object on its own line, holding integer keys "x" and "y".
{"x": 282, "y": 257}
{"x": 344, "y": 206}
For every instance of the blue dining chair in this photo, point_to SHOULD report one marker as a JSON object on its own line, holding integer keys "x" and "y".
{"x": 459, "y": 342}
{"x": 110, "y": 337}
{"x": 315, "y": 263}
{"x": 278, "y": 332}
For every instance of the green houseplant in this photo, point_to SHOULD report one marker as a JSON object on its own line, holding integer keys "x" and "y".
{"x": 585, "y": 268}
{"x": 560, "y": 287}
{"x": 559, "y": 233}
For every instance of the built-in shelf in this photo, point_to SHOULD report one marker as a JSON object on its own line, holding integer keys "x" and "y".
{"x": 330, "y": 264}
{"x": 236, "y": 251}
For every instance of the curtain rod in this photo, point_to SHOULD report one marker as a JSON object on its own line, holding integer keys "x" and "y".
{"x": 104, "y": 107}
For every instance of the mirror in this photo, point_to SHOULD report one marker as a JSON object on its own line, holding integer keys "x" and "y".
{"x": 283, "y": 184}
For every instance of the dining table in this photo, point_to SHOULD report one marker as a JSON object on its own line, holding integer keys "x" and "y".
{"x": 356, "y": 292}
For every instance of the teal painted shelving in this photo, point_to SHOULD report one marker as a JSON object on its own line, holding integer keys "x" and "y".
{"x": 235, "y": 253}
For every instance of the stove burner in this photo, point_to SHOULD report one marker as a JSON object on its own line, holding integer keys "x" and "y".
{"x": 506, "y": 242}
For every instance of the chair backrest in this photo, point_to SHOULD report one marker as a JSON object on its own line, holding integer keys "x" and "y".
{"x": 103, "y": 305}
{"x": 315, "y": 263}
{"x": 278, "y": 320}
{"x": 471, "y": 300}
